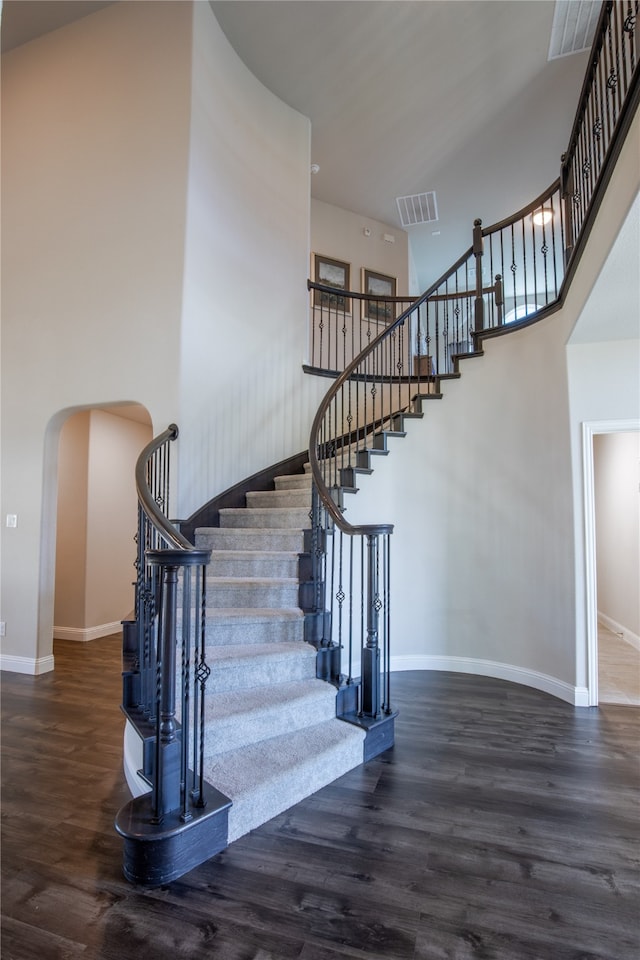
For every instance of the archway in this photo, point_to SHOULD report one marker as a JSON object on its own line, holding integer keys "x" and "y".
{"x": 89, "y": 519}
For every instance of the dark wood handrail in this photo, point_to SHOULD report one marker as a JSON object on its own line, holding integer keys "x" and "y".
{"x": 525, "y": 211}
{"x": 164, "y": 526}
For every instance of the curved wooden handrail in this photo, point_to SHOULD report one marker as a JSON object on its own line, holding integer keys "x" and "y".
{"x": 164, "y": 526}
{"x": 525, "y": 211}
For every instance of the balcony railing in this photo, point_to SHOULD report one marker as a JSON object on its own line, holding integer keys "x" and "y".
{"x": 515, "y": 270}
{"x": 389, "y": 355}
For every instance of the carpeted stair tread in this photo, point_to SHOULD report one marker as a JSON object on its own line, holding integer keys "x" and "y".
{"x": 266, "y": 778}
{"x": 237, "y": 718}
{"x": 240, "y": 666}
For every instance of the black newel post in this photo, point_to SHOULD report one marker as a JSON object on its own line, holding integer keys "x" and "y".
{"x": 371, "y": 652}
{"x": 166, "y": 786}
{"x": 478, "y": 250}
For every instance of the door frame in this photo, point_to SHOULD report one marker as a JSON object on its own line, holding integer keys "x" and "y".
{"x": 589, "y": 430}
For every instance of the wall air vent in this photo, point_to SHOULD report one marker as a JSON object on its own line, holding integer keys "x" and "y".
{"x": 573, "y": 27}
{"x": 419, "y": 208}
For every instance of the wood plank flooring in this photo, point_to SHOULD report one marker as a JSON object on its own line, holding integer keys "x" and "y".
{"x": 502, "y": 826}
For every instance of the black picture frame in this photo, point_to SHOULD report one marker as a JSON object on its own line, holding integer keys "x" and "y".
{"x": 381, "y": 285}
{"x": 331, "y": 273}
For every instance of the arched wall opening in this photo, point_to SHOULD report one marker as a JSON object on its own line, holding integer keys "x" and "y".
{"x": 89, "y": 522}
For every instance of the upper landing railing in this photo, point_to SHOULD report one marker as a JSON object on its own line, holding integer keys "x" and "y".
{"x": 515, "y": 270}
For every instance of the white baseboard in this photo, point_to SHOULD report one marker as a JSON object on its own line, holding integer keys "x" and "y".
{"x": 577, "y": 696}
{"x": 29, "y": 665}
{"x": 621, "y": 630}
{"x": 83, "y": 634}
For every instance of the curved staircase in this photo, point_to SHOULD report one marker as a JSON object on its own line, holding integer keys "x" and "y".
{"x": 272, "y": 736}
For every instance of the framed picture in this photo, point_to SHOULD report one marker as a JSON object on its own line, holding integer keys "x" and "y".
{"x": 378, "y": 285}
{"x": 331, "y": 273}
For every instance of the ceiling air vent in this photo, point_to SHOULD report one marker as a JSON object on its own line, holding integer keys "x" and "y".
{"x": 573, "y": 27}
{"x": 419, "y": 208}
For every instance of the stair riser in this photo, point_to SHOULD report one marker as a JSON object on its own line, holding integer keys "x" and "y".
{"x": 232, "y": 731}
{"x": 230, "y": 538}
{"x": 270, "y": 631}
{"x": 242, "y": 675}
{"x": 247, "y": 594}
{"x": 277, "y": 518}
{"x": 301, "y": 481}
{"x": 256, "y": 565}
{"x": 279, "y": 498}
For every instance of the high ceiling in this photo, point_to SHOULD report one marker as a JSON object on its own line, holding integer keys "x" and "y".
{"x": 452, "y": 96}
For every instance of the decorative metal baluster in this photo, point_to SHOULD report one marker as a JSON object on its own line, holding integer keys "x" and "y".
{"x": 499, "y": 300}
{"x": 321, "y": 336}
{"x": 386, "y": 541}
{"x": 514, "y": 266}
{"x": 629, "y": 28}
{"x": 350, "y": 652}
{"x": 340, "y": 595}
{"x": 362, "y": 617}
{"x": 478, "y": 247}
{"x": 535, "y": 261}
{"x": 523, "y": 241}
{"x": 185, "y": 692}
{"x": 371, "y": 652}
{"x": 613, "y": 77}
{"x": 202, "y": 672}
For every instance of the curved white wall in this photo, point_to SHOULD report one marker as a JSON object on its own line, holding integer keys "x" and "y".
{"x": 486, "y": 492}
{"x": 244, "y": 400}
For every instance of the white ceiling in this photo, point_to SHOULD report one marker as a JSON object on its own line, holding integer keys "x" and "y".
{"x": 452, "y": 96}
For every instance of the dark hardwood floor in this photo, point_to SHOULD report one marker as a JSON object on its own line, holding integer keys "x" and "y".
{"x": 503, "y": 825}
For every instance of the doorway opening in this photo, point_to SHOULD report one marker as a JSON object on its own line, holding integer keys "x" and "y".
{"x": 95, "y": 518}
{"x": 611, "y": 471}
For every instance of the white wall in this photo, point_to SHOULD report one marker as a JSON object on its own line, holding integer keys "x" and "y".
{"x": 617, "y": 518}
{"x": 339, "y": 234}
{"x": 95, "y": 148}
{"x": 480, "y": 495}
{"x": 488, "y": 552}
{"x": 245, "y": 402}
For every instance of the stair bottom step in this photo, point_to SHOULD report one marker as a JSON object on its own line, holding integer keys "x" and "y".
{"x": 264, "y": 779}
